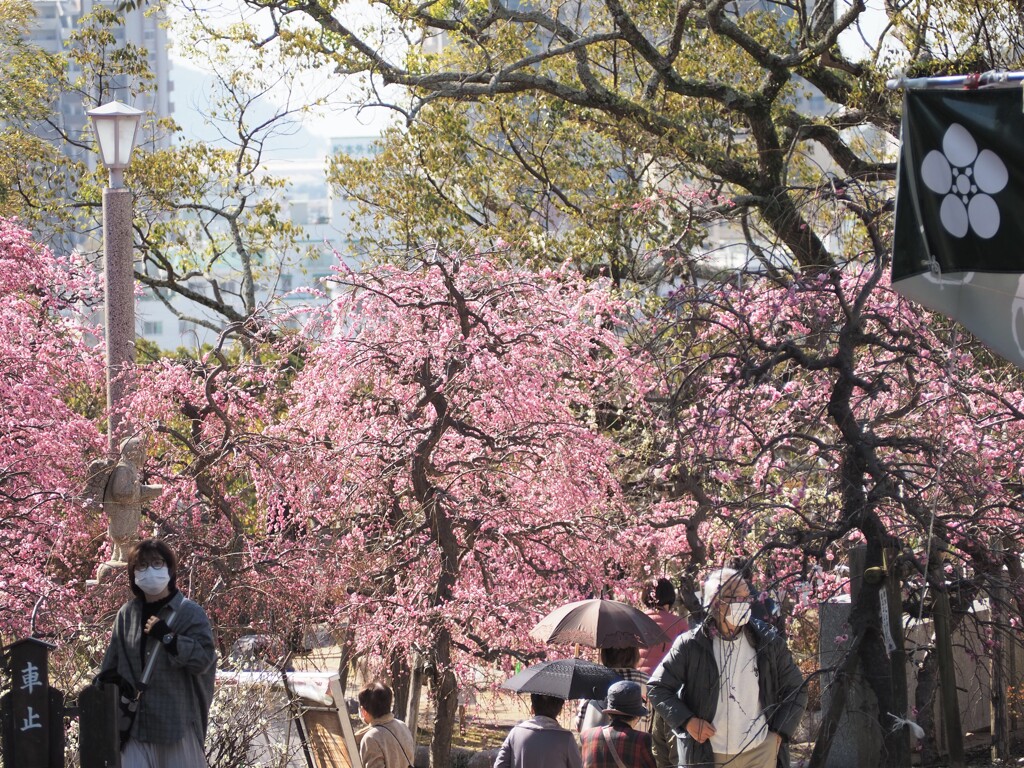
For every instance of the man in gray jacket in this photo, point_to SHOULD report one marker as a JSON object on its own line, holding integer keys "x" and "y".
{"x": 540, "y": 742}
{"x": 729, "y": 687}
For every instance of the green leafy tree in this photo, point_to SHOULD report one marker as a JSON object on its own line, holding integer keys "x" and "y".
{"x": 755, "y": 102}
{"x": 209, "y": 220}
{"x": 519, "y": 172}
{"x": 31, "y": 168}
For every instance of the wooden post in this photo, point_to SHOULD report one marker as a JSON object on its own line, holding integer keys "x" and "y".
{"x": 947, "y": 679}
{"x": 858, "y": 557}
{"x": 897, "y": 659}
{"x": 415, "y": 687}
{"x": 33, "y": 713}
{"x": 1002, "y": 649}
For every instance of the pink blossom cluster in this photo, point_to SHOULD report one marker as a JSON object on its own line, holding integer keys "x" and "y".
{"x": 51, "y": 380}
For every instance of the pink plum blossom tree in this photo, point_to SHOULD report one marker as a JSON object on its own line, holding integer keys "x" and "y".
{"x": 50, "y": 393}
{"x": 445, "y": 428}
{"x": 811, "y": 412}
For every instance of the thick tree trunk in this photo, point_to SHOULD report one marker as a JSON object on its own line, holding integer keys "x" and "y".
{"x": 786, "y": 220}
{"x": 878, "y": 674}
{"x": 446, "y": 700}
{"x": 401, "y": 679}
{"x": 897, "y": 742}
{"x": 876, "y": 663}
{"x": 947, "y": 680}
{"x": 442, "y": 676}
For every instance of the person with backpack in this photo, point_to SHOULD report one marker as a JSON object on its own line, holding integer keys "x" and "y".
{"x": 619, "y": 744}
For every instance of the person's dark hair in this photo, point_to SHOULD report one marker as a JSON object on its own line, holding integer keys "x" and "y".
{"x": 659, "y": 592}
{"x": 145, "y": 551}
{"x": 620, "y": 658}
{"x": 745, "y": 565}
{"x": 376, "y": 698}
{"x": 546, "y": 706}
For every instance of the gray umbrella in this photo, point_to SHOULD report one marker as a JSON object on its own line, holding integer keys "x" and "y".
{"x": 564, "y": 678}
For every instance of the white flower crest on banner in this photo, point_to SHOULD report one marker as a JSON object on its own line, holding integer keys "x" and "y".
{"x": 968, "y": 179}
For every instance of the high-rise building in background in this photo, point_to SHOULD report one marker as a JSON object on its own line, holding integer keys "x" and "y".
{"x": 288, "y": 279}
{"x": 164, "y": 317}
{"x": 54, "y": 23}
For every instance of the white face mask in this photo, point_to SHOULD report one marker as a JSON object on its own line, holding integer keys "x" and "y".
{"x": 152, "y": 581}
{"x": 737, "y": 614}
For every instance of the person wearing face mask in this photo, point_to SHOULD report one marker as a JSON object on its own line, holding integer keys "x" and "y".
{"x": 172, "y": 715}
{"x": 729, "y": 688}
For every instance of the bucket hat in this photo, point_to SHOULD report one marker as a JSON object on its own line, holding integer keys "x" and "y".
{"x": 625, "y": 698}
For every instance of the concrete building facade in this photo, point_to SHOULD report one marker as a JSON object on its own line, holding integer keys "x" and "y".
{"x": 52, "y": 30}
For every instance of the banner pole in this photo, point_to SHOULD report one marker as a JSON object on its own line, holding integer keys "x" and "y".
{"x": 992, "y": 78}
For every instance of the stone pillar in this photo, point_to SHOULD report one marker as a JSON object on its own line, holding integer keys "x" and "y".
{"x": 857, "y": 742}
{"x": 119, "y": 282}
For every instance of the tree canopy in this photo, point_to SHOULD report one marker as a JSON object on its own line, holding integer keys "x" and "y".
{"x": 559, "y": 396}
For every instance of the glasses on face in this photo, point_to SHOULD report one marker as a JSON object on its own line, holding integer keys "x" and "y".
{"x": 156, "y": 562}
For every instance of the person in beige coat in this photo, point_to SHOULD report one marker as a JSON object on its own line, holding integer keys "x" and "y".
{"x": 388, "y": 742}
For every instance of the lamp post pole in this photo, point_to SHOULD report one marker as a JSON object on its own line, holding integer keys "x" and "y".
{"x": 116, "y": 126}
{"x": 120, "y": 300}
{"x": 115, "y": 481}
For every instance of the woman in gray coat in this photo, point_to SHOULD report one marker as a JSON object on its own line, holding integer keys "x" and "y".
{"x": 172, "y": 715}
{"x": 540, "y": 742}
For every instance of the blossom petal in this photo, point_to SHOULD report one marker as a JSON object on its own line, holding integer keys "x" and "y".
{"x": 936, "y": 173}
{"x": 990, "y": 172}
{"x": 984, "y": 216}
{"x": 954, "y": 216}
{"x": 959, "y": 146}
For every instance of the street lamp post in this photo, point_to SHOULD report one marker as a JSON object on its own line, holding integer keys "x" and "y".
{"x": 116, "y": 126}
{"x": 115, "y": 481}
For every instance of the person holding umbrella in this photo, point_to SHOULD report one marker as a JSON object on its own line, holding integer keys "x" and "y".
{"x": 619, "y": 745}
{"x": 540, "y": 742}
{"x": 618, "y": 629}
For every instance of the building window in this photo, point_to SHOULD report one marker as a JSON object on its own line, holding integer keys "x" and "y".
{"x": 152, "y": 328}
{"x": 186, "y": 326}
